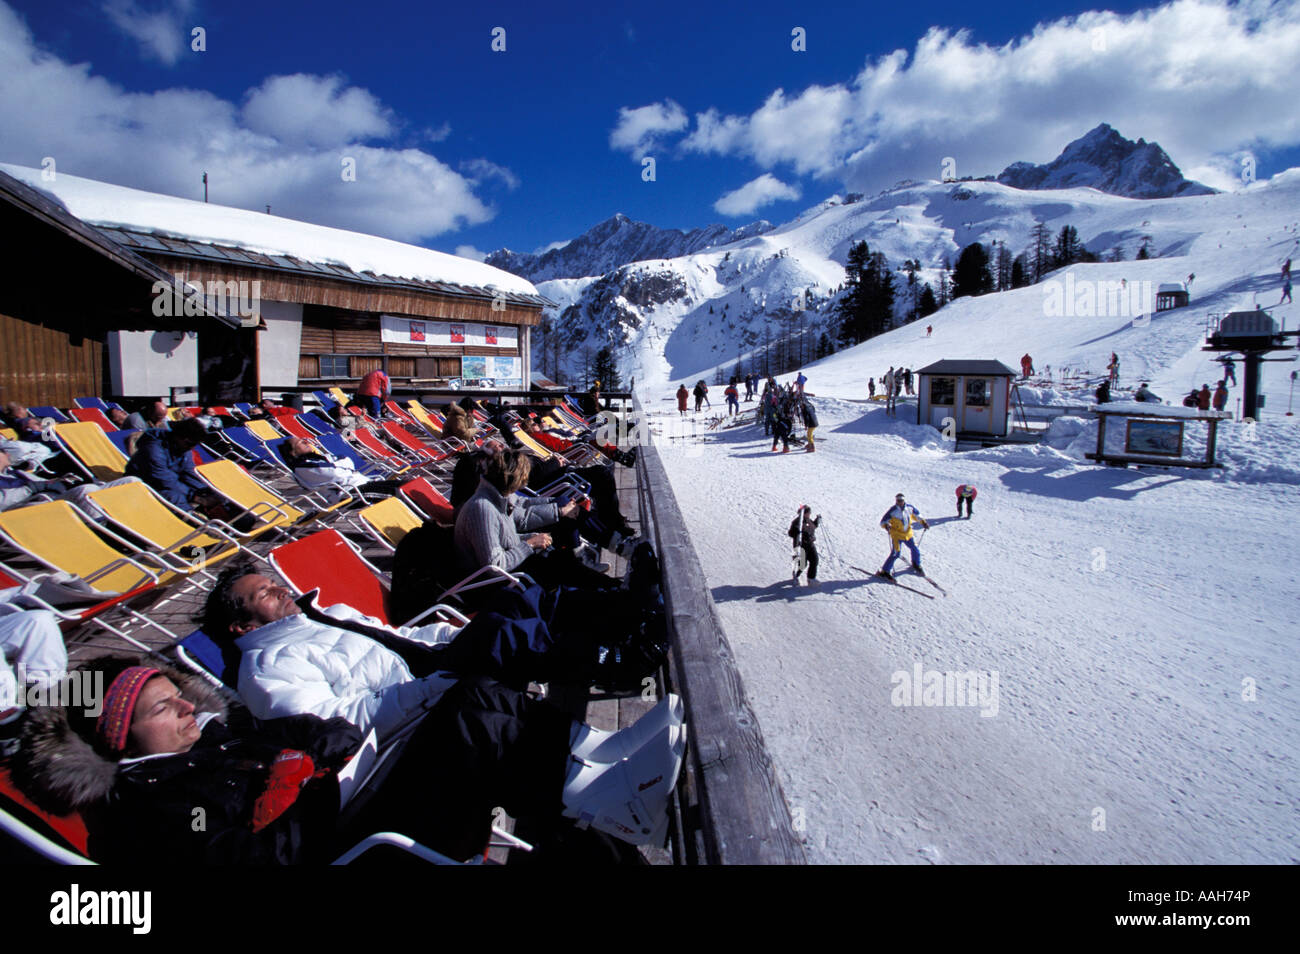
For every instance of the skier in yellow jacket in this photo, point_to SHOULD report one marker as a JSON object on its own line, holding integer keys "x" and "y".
{"x": 898, "y": 522}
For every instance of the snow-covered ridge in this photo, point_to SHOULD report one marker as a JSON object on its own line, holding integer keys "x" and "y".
{"x": 113, "y": 206}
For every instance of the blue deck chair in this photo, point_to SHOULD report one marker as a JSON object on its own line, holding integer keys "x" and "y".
{"x": 337, "y": 447}
{"x": 201, "y": 653}
{"x": 252, "y": 445}
{"x": 54, "y": 412}
{"x": 93, "y": 402}
{"x": 119, "y": 439}
{"x": 326, "y": 401}
{"x": 318, "y": 423}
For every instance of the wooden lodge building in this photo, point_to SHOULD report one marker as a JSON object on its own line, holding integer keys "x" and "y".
{"x": 174, "y": 295}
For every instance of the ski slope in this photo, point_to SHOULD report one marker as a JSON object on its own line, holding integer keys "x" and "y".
{"x": 1122, "y": 611}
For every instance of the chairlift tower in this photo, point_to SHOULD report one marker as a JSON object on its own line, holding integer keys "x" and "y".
{"x": 1254, "y": 334}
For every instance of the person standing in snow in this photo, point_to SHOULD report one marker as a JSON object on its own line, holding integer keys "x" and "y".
{"x": 701, "y": 395}
{"x": 897, "y": 521}
{"x": 749, "y": 386}
{"x": 889, "y": 390}
{"x": 799, "y": 382}
{"x": 907, "y": 379}
{"x": 810, "y": 422}
{"x": 1103, "y": 393}
{"x": 803, "y": 531}
{"x": 733, "y": 398}
{"x": 1027, "y": 364}
{"x": 682, "y": 395}
{"x": 1286, "y": 290}
{"x": 1113, "y": 369}
{"x": 1220, "y": 399}
{"x": 871, "y": 389}
{"x": 929, "y": 330}
{"x": 781, "y": 426}
{"x": 1203, "y": 397}
{"x": 968, "y": 493}
{"x": 1230, "y": 371}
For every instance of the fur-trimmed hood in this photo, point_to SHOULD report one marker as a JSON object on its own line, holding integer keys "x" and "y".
{"x": 62, "y": 772}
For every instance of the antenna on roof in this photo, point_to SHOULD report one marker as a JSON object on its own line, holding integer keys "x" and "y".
{"x": 205, "y": 187}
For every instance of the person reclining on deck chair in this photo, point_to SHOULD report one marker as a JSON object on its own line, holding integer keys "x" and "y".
{"x": 163, "y": 750}
{"x": 314, "y": 469}
{"x": 299, "y": 658}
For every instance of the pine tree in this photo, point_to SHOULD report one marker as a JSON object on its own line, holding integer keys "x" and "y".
{"x": 1004, "y": 268}
{"x": 972, "y": 275}
{"x": 852, "y": 306}
{"x": 1020, "y": 271}
{"x": 605, "y": 370}
{"x": 1040, "y": 252}
{"x": 1067, "y": 247}
{"x": 925, "y": 303}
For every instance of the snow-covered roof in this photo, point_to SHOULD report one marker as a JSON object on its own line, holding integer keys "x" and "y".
{"x": 968, "y": 366}
{"x": 111, "y": 206}
{"x": 1171, "y": 287}
{"x": 1151, "y": 409}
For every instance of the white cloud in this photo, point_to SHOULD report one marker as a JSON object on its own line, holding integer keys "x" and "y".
{"x": 314, "y": 111}
{"x": 164, "y": 141}
{"x": 551, "y": 246}
{"x": 755, "y": 194}
{"x": 1204, "y": 78}
{"x": 480, "y": 169}
{"x": 639, "y": 129}
{"x": 163, "y": 34}
{"x": 470, "y": 252}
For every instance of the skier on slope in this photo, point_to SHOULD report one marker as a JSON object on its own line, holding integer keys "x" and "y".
{"x": 803, "y": 531}
{"x": 898, "y": 522}
{"x": 733, "y": 398}
{"x": 682, "y": 396}
{"x": 968, "y": 493}
{"x": 782, "y": 425}
{"x": 809, "y": 422}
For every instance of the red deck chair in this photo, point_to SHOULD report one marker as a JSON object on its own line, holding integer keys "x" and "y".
{"x": 413, "y": 444}
{"x": 290, "y": 424}
{"x": 425, "y": 499}
{"x": 93, "y": 415}
{"x": 62, "y": 839}
{"x": 397, "y": 412}
{"x": 326, "y": 561}
{"x": 381, "y": 451}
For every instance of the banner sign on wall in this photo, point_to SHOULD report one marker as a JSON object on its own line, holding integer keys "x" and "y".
{"x": 395, "y": 330}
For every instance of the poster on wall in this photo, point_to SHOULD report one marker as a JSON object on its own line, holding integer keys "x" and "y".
{"x": 457, "y": 334}
{"x": 417, "y": 331}
{"x": 490, "y": 334}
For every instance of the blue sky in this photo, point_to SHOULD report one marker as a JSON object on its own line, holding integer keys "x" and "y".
{"x": 458, "y": 146}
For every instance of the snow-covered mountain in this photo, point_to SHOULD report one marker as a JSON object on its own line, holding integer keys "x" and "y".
{"x": 614, "y": 242}
{"x": 679, "y": 318}
{"x": 1106, "y": 161}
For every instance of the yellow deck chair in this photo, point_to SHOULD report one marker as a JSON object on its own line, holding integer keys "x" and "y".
{"x": 237, "y": 485}
{"x": 422, "y": 415}
{"x": 523, "y": 437}
{"x": 388, "y": 521}
{"x": 138, "y": 509}
{"x": 337, "y": 394}
{"x": 8, "y": 433}
{"x": 55, "y": 534}
{"x": 88, "y": 445}
{"x": 263, "y": 429}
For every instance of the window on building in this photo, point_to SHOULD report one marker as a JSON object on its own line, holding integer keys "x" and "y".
{"x": 977, "y": 392}
{"x": 334, "y": 366}
{"x": 942, "y": 391}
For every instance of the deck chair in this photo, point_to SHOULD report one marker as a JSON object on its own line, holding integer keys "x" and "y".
{"x": 123, "y": 439}
{"x": 387, "y": 521}
{"x": 54, "y": 534}
{"x": 182, "y": 541}
{"x": 244, "y": 408}
{"x": 425, "y": 419}
{"x": 95, "y": 402}
{"x": 90, "y": 449}
{"x": 326, "y": 561}
{"x": 392, "y": 408}
{"x": 261, "y": 428}
{"x": 93, "y": 415}
{"x": 318, "y": 422}
{"x": 337, "y": 447}
{"x": 324, "y": 399}
{"x": 214, "y": 662}
{"x": 339, "y": 396}
{"x": 378, "y": 450}
{"x": 271, "y": 510}
{"x": 292, "y": 426}
{"x": 417, "y": 447}
{"x": 51, "y": 412}
{"x": 252, "y": 447}
{"x": 422, "y": 497}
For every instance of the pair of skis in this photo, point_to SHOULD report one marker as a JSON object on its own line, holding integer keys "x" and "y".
{"x": 903, "y": 586}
